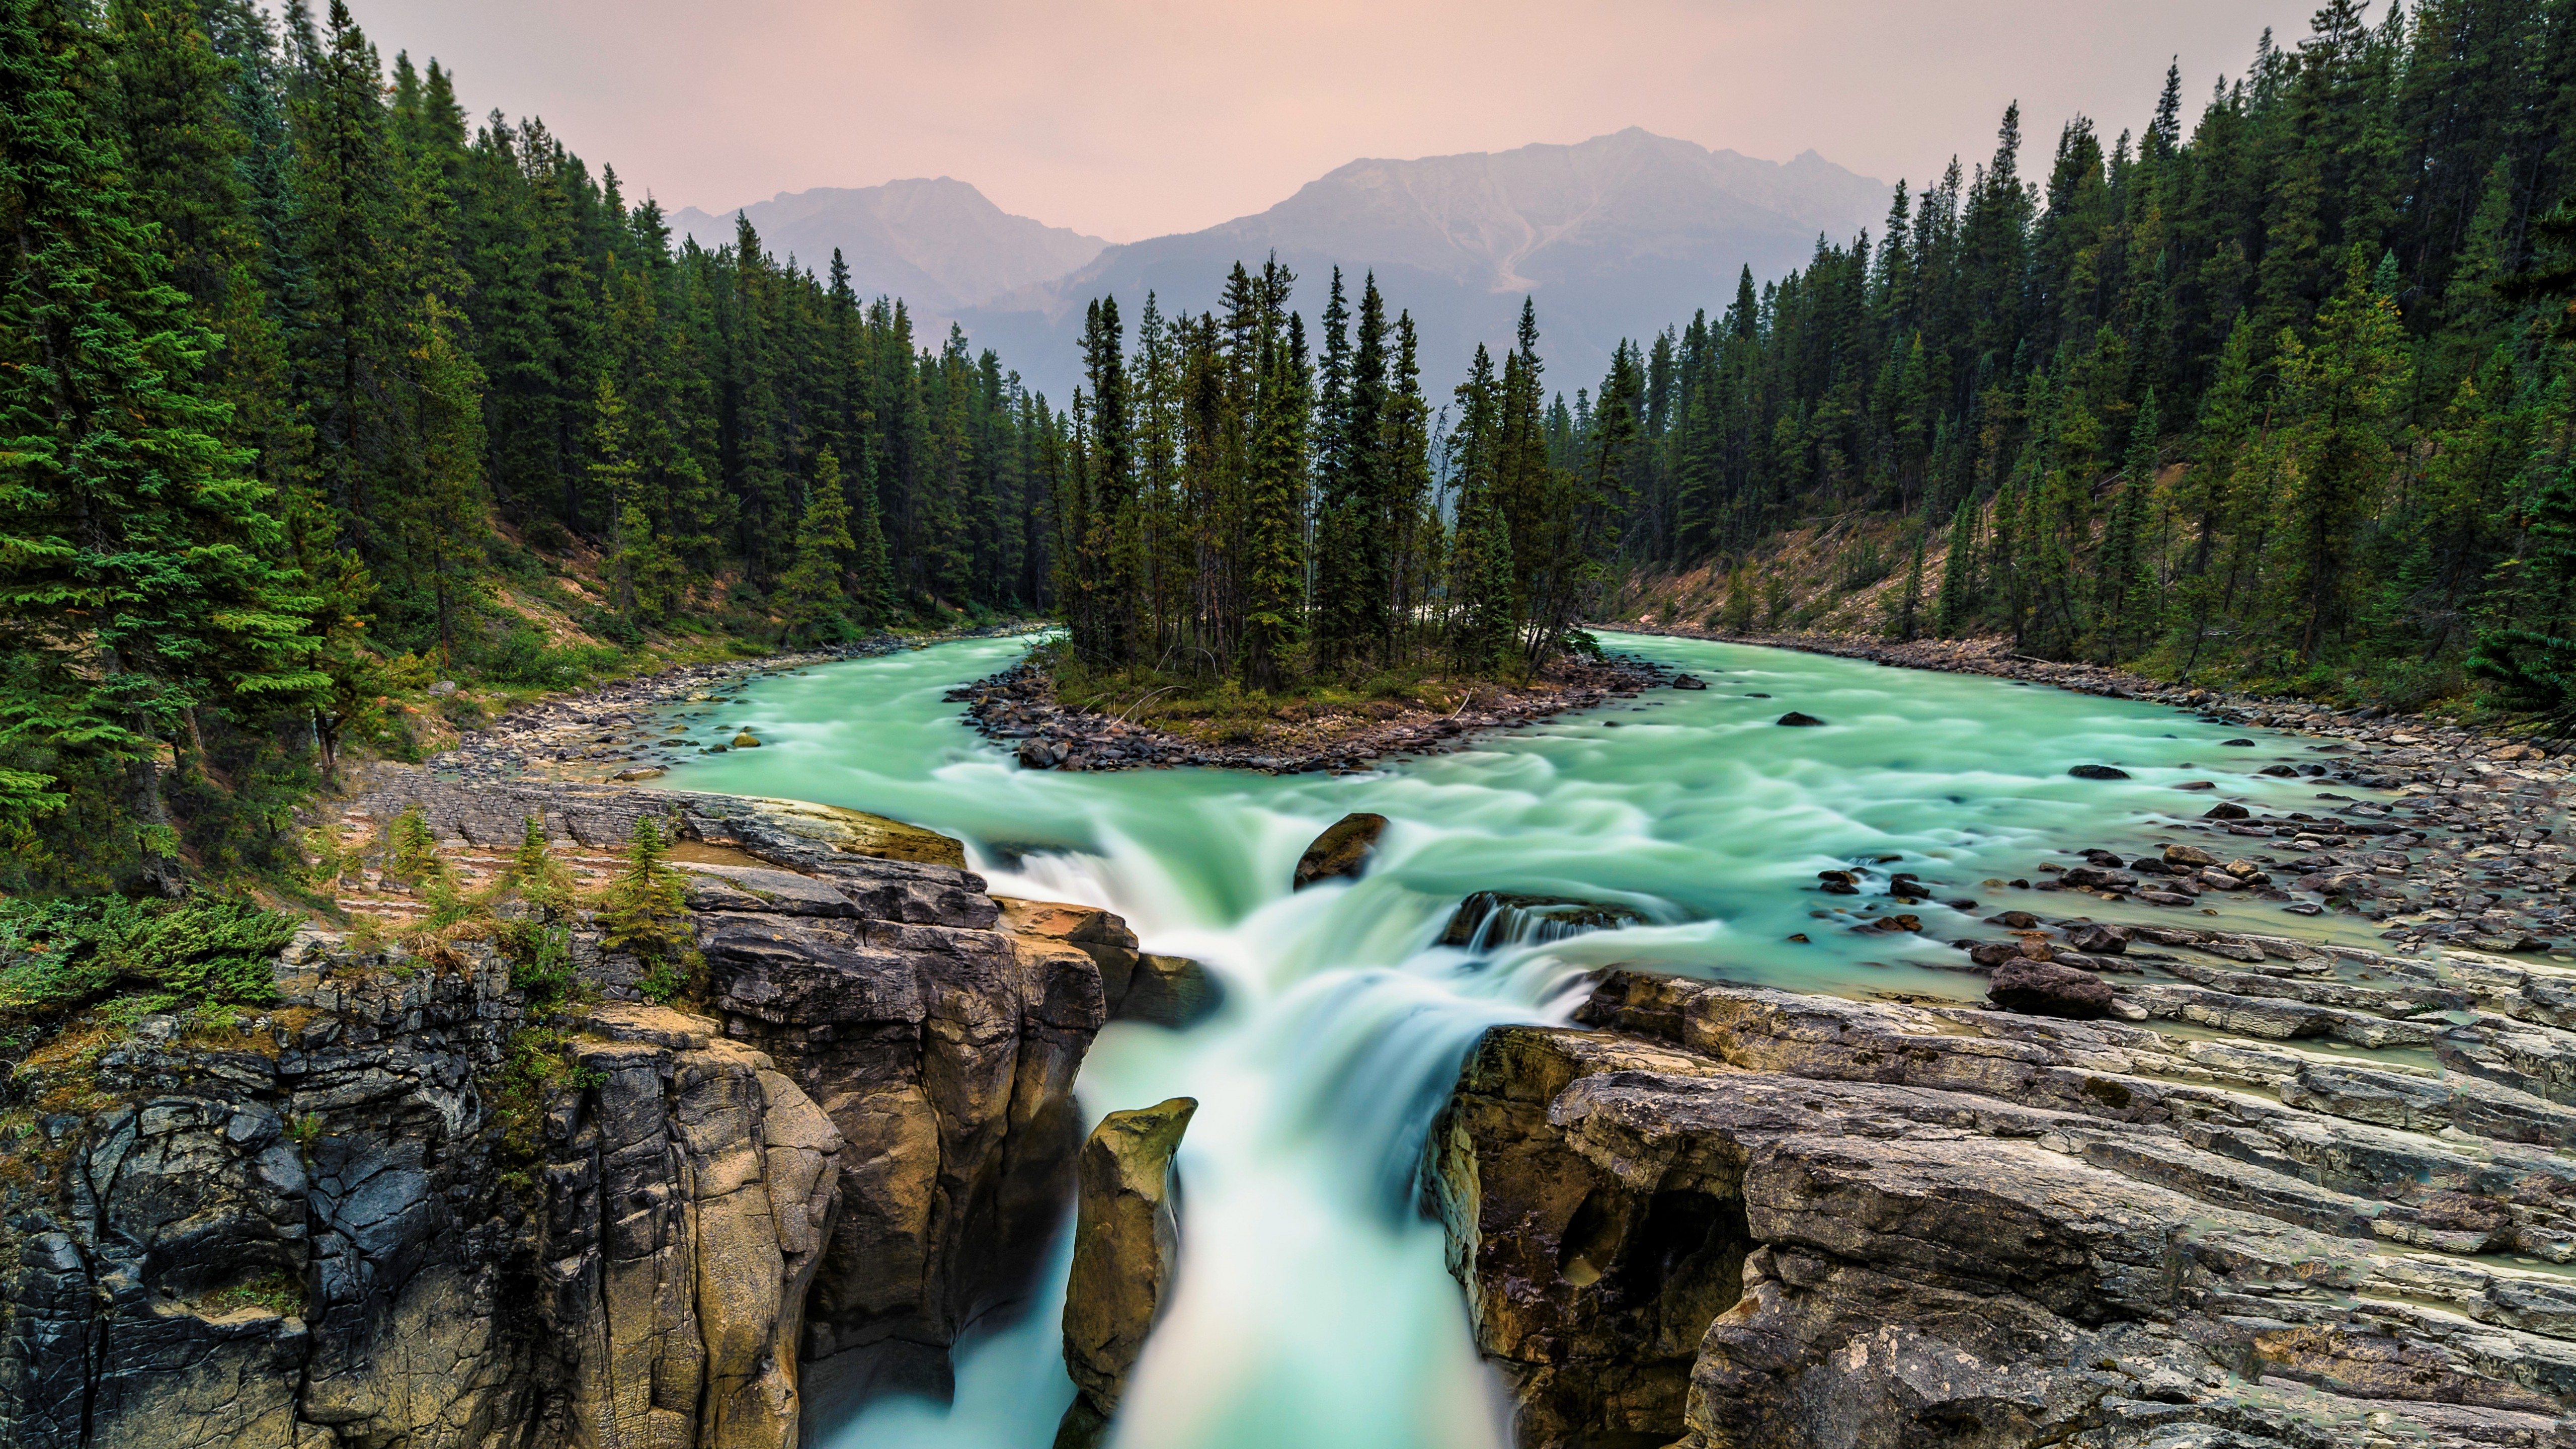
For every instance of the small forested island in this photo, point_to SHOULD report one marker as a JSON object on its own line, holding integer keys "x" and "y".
{"x": 1966, "y": 847}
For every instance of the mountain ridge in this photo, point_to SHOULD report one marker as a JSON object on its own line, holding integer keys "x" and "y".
{"x": 1616, "y": 236}
{"x": 937, "y": 242}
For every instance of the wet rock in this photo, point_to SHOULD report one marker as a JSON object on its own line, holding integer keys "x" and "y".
{"x": 746, "y": 741}
{"x": 2098, "y": 772}
{"x": 2097, "y": 939}
{"x": 1729, "y": 1216}
{"x": 2094, "y": 877}
{"x": 1689, "y": 681}
{"x": 1793, "y": 717}
{"x": 1126, "y": 1247}
{"x": 1341, "y": 852}
{"x": 2225, "y": 810}
{"x": 1497, "y": 918}
{"x": 2188, "y": 855}
{"x": 1172, "y": 991}
{"x": 2049, "y": 988}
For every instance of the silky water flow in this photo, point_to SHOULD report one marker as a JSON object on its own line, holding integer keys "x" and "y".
{"x": 1312, "y": 1306}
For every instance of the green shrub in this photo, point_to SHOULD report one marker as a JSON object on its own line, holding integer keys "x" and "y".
{"x": 279, "y": 1292}
{"x": 59, "y": 955}
{"x": 539, "y": 1065}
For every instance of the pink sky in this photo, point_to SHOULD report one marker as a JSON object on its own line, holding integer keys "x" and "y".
{"x": 1131, "y": 118}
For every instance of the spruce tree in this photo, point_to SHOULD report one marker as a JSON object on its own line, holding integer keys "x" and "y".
{"x": 812, "y": 598}
{"x": 2344, "y": 389}
{"x": 140, "y": 572}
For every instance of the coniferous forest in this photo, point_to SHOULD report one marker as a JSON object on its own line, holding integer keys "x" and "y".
{"x": 2275, "y": 387}
{"x": 310, "y": 382}
{"x": 313, "y": 384}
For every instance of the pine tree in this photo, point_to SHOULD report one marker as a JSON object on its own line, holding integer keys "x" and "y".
{"x": 1958, "y": 597}
{"x": 2124, "y": 597}
{"x": 644, "y": 913}
{"x": 2344, "y": 390}
{"x": 812, "y": 598}
{"x": 535, "y": 873}
{"x": 442, "y": 521}
{"x": 1274, "y": 464}
{"x": 140, "y": 573}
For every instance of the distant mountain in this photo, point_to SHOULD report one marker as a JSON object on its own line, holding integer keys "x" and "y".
{"x": 938, "y": 244}
{"x": 1615, "y": 237}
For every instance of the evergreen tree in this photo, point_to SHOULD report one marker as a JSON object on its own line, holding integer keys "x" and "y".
{"x": 140, "y": 571}
{"x": 2343, "y": 389}
{"x": 813, "y": 597}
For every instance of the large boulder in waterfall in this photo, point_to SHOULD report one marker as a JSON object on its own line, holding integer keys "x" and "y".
{"x": 1342, "y": 850}
{"x": 1126, "y": 1246}
{"x": 1172, "y": 991}
{"x": 1497, "y": 918}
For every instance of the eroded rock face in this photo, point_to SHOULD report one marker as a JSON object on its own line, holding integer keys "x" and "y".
{"x": 1126, "y": 1249}
{"x": 363, "y": 1222}
{"x": 1741, "y": 1217}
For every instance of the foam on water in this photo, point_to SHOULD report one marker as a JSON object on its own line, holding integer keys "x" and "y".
{"x": 1312, "y": 1306}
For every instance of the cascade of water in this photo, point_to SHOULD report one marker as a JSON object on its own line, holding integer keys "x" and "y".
{"x": 1312, "y": 1305}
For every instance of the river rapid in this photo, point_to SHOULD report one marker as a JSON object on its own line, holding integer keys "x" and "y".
{"x": 1312, "y": 1306}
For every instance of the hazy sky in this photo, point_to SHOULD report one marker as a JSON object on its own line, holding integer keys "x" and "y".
{"x": 1131, "y": 118}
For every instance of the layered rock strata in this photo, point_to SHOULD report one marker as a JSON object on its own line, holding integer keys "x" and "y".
{"x": 399, "y": 1208}
{"x": 1733, "y": 1216}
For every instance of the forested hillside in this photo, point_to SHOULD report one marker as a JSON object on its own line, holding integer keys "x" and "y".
{"x": 315, "y": 391}
{"x": 2275, "y": 385}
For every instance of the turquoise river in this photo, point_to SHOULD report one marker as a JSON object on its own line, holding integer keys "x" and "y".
{"x": 1313, "y": 1307}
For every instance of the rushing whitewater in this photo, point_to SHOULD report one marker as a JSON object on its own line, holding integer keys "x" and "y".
{"x": 1313, "y": 1307}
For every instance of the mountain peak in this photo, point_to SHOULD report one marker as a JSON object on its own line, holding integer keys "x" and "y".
{"x": 1615, "y": 236}
{"x": 937, "y": 242}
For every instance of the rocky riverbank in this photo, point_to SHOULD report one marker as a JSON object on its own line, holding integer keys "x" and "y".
{"x": 1719, "y": 1215}
{"x": 1018, "y": 709}
{"x": 413, "y": 1203}
{"x": 2464, "y": 843}
{"x": 614, "y": 732}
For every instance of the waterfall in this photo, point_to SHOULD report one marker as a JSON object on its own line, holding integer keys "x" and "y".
{"x": 1681, "y": 831}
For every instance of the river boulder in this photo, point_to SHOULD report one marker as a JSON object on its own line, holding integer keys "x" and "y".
{"x": 1794, "y": 718}
{"x": 1498, "y": 918}
{"x": 1126, "y": 1248}
{"x": 2098, "y": 772}
{"x": 1172, "y": 991}
{"x": 2049, "y": 988}
{"x": 1341, "y": 852}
